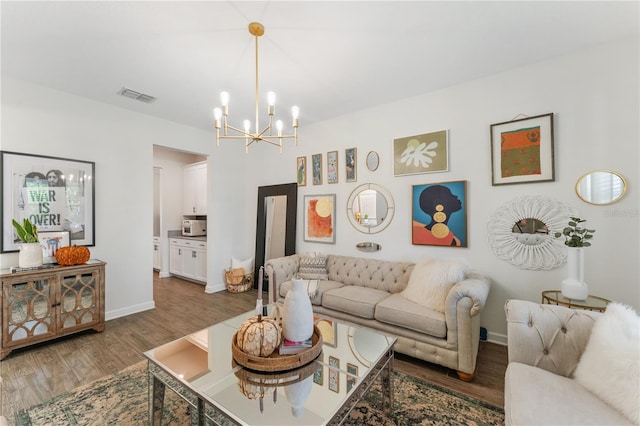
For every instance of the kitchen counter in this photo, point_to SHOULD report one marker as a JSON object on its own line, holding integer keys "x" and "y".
{"x": 178, "y": 234}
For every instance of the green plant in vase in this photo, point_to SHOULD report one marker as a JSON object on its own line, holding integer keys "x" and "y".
{"x": 575, "y": 235}
{"x": 27, "y": 232}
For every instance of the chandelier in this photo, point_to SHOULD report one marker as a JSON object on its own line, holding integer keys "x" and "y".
{"x": 249, "y": 136}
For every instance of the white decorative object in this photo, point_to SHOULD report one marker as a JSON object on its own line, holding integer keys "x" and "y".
{"x": 30, "y": 255}
{"x": 574, "y": 287}
{"x": 609, "y": 366}
{"x": 431, "y": 281}
{"x": 297, "y": 313}
{"x": 297, "y": 394}
{"x": 542, "y": 252}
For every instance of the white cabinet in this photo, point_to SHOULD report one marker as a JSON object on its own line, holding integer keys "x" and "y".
{"x": 157, "y": 254}
{"x": 188, "y": 258}
{"x": 195, "y": 189}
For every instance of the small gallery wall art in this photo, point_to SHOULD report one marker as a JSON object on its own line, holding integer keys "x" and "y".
{"x": 51, "y": 242}
{"x": 332, "y": 167}
{"x": 351, "y": 164}
{"x": 320, "y": 218}
{"x": 522, "y": 151}
{"x": 439, "y": 214}
{"x": 334, "y": 374}
{"x": 301, "y": 171}
{"x": 316, "y": 169}
{"x": 426, "y": 153}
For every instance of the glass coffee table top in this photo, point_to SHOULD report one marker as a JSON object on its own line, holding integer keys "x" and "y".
{"x": 202, "y": 364}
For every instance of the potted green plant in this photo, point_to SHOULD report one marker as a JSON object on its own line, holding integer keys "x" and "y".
{"x": 30, "y": 250}
{"x": 576, "y": 237}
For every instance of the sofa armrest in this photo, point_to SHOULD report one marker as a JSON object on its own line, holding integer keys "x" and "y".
{"x": 462, "y": 315}
{"x": 547, "y": 336}
{"x": 280, "y": 270}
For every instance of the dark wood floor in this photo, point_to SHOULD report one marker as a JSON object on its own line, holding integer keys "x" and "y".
{"x": 36, "y": 374}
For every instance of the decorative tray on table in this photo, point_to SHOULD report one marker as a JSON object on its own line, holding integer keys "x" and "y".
{"x": 275, "y": 361}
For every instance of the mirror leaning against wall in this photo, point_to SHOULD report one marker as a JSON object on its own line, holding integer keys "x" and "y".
{"x": 601, "y": 187}
{"x": 370, "y": 208}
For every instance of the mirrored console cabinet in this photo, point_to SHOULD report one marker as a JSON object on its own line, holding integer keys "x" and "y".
{"x": 44, "y": 304}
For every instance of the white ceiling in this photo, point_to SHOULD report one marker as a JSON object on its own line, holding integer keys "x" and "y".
{"x": 330, "y": 58}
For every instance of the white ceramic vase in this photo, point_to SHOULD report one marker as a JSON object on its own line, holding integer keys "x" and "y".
{"x": 30, "y": 255}
{"x": 297, "y": 314}
{"x": 297, "y": 395}
{"x": 574, "y": 287}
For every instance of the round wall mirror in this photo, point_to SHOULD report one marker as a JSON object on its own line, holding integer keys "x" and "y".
{"x": 521, "y": 232}
{"x": 370, "y": 208}
{"x": 601, "y": 187}
{"x": 373, "y": 160}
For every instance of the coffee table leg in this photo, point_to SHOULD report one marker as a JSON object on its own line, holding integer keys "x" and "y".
{"x": 156, "y": 400}
{"x": 387, "y": 384}
{"x": 197, "y": 415}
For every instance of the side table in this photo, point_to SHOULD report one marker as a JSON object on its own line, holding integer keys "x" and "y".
{"x": 593, "y": 303}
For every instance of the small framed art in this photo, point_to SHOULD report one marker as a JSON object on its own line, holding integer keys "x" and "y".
{"x": 332, "y": 167}
{"x": 351, "y": 164}
{"x": 334, "y": 374}
{"x": 439, "y": 214}
{"x": 51, "y": 242}
{"x": 316, "y": 169}
{"x": 352, "y": 376}
{"x": 301, "y": 171}
{"x": 426, "y": 153}
{"x": 522, "y": 151}
{"x": 320, "y": 218}
{"x": 329, "y": 330}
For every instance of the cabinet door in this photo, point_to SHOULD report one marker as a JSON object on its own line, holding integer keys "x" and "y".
{"x": 201, "y": 273}
{"x": 175, "y": 259}
{"x": 79, "y": 302}
{"x": 189, "y": 191}
{"x": 157, "y": 254}
{"x": 190, "y": 263}
{"x": 28, "y": 311}
{"x": 201, "y": 189}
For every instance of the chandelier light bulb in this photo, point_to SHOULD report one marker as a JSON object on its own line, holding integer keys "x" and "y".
{"x": 295, "y": 112}
{"x": 247, "y": 125}
{"x": 279, "y": 126}
{"x": 224, "y": 98}
{"x": 271, "y": 98}
{"x": 217, "y": 113}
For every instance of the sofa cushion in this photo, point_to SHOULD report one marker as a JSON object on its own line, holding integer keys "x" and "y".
{"x": 323, "y": 286}
{"x": 534, "y": 396}
{"x": 431, "y": 281}
{"x": 379, "y": 274}
{"x": 355, "y": 300}
{"x": 313, "y": 266}
{"x": 610, "y": 364}
{"x": 397, "y": 310}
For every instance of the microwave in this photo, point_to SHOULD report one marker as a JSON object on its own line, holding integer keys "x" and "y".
{"x": 194, "y": 228}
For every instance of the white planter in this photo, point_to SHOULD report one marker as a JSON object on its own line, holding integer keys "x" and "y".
{"x": 297, "y": 313}
{"x": 30, "y": 255}
{"x": 574, "y": 287}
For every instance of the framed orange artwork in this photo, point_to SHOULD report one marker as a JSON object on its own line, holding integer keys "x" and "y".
{"x": 320, "y": 218}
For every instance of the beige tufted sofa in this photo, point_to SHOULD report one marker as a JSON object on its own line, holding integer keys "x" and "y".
{"x": 366, "y": 292}
{"x": 545, "y": 345}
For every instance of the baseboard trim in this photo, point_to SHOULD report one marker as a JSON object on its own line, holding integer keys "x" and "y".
{"x": 500, "y": 339}
{"x": 129, "y": 310}
{"x": 215, "y": 288}
{"x": 164, "y": 274}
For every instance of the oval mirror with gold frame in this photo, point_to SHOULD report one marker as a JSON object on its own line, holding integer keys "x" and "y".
{"x": 373, "y": 161}
{"x": 601, "y": 187}
{"x": 370, "y": 208}
{"x": 521, "y": 232}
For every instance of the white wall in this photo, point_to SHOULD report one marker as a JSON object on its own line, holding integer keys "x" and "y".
{"x": 38, "y": 120}
{"x": 594, "y": 96}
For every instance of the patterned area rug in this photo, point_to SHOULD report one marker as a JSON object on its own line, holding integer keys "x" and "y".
{"x": 122, "y": 399}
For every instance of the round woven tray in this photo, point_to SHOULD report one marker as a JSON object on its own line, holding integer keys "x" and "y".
{"x": 277, "y": 362}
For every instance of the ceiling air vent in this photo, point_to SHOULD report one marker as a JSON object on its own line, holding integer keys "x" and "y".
{"x": 128, "y": 93}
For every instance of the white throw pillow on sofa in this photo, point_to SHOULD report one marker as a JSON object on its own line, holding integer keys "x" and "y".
{"x": 431, "y": 281}
{"x": 246, "y": 264}
{"x": 610, "y": 364}
{"x": 313, "y": 266}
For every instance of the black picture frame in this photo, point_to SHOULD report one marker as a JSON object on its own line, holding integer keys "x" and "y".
{"x": 54, "y": 193}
